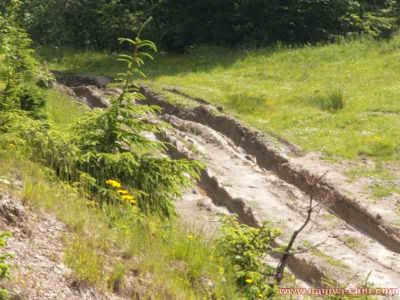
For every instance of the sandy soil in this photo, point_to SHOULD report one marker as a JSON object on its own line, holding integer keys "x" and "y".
{"x": 37, "y": 268}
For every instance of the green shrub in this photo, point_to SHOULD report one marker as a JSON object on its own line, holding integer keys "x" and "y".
{"x": 246, "y": 248}
{"x": 27, "y": 97}
{"x": 31, "y": 98}
{"x": 98, "y": 24}
{"x": 23, "y": 73}
{"x": 4, "y": 266}
{"x": 110, "y": 145}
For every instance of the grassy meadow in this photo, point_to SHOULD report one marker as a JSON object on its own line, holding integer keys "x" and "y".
{"x": 340, "y": 99}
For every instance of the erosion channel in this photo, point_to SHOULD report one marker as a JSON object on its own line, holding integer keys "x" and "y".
{"x": 257, "y": 178}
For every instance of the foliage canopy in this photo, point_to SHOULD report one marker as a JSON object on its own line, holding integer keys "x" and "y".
{"x": 97, "y": 24}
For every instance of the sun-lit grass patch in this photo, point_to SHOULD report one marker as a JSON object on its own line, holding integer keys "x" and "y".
{"x": 326, "y": 257}
{"x": 352, "y": 242}
{"x": 381, "y": 191}
{"x": 377, "y": 171}
{"x": 86, "y": 62}
{"x": 270, "y": 89}
{"x": 63, "y": 110}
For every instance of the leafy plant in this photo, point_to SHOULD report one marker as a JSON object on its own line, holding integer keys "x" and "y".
{"x": 246, "y": 248}
{"x": 114, "y": 143}
{"x": 4, "y": 266}
{"x": 96, "y": 24}
{"x": 23, "y": 72}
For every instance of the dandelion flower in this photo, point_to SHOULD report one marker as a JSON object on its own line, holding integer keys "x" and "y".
{"x": 128, "y": 198}
{"x": 190, "y": 237}
{"x": 123, "y": 192}
{"x": 113, "y": 183}
{"x": 249, "y": 281}
{"x": 211, "y": 258}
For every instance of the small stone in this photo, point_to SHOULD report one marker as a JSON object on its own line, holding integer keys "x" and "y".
{"x": 11, "y": 210}
{"x": 92, "y": 96}
{"x": 207, "y": 283}
{"x": 5, "y": 181}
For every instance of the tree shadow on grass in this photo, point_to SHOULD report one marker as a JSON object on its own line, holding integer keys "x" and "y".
{"x": 199, "y": 59}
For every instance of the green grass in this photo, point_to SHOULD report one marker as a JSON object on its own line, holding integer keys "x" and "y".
{"x": 327, "y": 258}
{"x": 62, "y": 110}
{"x": 330, "y": 260}
{"x": 381, "y": 191}
{"x": 332, "y": 101}
{"x": 378, "y": 171}
{"x": 88, "y": 62}
{"x": 341, "y": 99}
{"x": 352, "y": 242}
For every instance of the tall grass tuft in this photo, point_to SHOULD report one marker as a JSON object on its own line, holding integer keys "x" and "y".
{"x": 332, "y": 101}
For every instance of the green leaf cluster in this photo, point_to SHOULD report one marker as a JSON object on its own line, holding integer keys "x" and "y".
{"x": 23, "y": 74}
{"x": 96, "y": 24}
{"x": 4, "y": 265}
{"x": 246, "y": 248}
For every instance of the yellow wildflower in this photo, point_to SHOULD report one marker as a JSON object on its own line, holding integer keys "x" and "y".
{"x": 113, "y": 183}
{"x": 211, "y": 257}
{"x": 123, "y": 192}
{"x": 190, "y": 237}
{"x": 129, "y": 198}
{"x": 249, "y": 281}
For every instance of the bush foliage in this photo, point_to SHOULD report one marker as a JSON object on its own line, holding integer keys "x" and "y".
{"x": 24, "y": 76}
{"x": 4, "y": 265}
{"x": 98, "y": 23}
{"x": 246, "y": 248}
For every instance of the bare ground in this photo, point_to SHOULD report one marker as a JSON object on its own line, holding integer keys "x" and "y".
{"x": 37, "y": 244}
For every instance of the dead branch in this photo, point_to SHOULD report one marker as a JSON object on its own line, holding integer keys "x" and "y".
{"x": 312, "y": 183}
